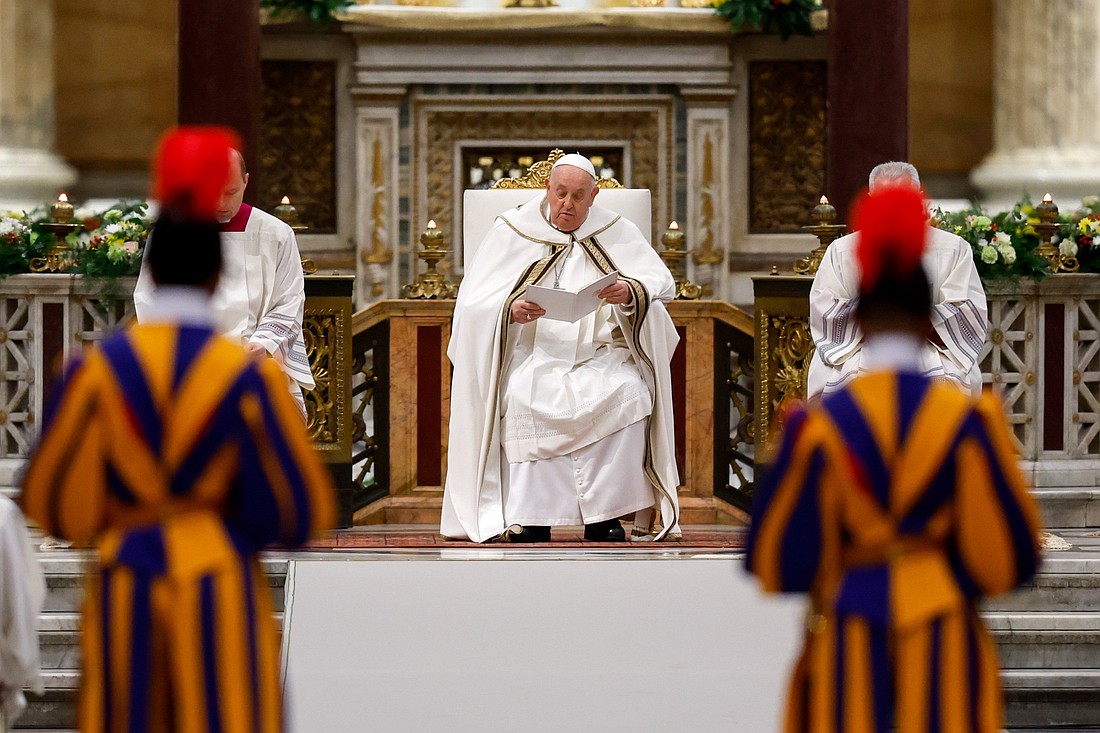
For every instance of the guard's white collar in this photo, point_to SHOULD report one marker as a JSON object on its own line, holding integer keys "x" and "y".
{"x": 892, "y": 351}
{"x": 179, "y": 304}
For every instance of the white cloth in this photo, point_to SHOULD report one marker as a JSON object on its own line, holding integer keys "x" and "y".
{"x": 22, "y": 592}
{"x": 958, "y": 315}
{"x": 548, "y": 389}
{"x": 261, "y": 294}
{"x": 600, "y": 481}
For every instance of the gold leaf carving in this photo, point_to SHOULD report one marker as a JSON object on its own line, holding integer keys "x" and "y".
{"x": 786, "y": 143}
{"x": 442, "y": 130}
{"x": 539, "y": 175}
{"x": 298, "y": 139}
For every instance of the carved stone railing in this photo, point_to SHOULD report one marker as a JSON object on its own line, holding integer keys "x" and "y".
{"x": 47, "y": 318}
{"x": 402, "y": 423}
{"x": 1042, "y": 355}
{"x": 43, "y": 320}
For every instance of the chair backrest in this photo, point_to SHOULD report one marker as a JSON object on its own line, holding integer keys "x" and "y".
{"x": 480, "y": 209}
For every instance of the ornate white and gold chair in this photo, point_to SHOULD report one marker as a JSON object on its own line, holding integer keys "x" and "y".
{"x": 480, "y": 208}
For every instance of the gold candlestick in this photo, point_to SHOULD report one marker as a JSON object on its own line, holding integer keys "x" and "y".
{"x": 430, "y": 284}
{"x": 1047, "y": 213}
{"x": 826, "y": 230}
{"x": 673, "y": 254}
{"x": 59, "y": 257}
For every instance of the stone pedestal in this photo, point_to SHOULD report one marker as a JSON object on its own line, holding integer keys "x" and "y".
{"x": 1045, "y": 136}
{"x": 31, "y": 173}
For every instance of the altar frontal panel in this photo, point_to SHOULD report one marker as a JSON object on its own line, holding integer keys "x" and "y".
{"x": 440, "y": 642}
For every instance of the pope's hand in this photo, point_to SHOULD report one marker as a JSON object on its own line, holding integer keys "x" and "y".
{"x": 617, "y": 293}
{"x": 524, "y": 311}
{"x": 255, "y": 350}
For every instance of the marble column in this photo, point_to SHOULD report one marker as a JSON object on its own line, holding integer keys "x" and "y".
{"x": 1046, "y": 135}
{"x": 31, "y": 173}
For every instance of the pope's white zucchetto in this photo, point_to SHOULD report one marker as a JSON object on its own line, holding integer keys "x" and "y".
{"x": 577, "y": 161}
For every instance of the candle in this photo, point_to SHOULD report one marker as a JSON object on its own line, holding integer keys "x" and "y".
{"x": 432, "y": 236}
{"x": 824, "y": 213}
{"x": 62, "y": 210}
{"x": 1047, "y": 211}
{"x": 286, "y": 211}
{"x": 673, "y": 226}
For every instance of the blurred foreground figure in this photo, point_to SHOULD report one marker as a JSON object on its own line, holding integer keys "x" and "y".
{"x": 896, "y": 504}
{"x": 180, "y": 456}
{"x": 22, "y": 590}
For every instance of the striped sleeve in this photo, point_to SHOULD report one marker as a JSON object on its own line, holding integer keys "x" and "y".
{"x": 787, "y": 539}
{"x": 833, "y": 326}
{"x": 64, "y": 486}
{"x": 959, "y": 310}
{"x": 998, "y": 521}
{"x": 283, "y": 478}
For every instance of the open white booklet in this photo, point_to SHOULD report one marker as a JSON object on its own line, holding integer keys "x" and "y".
{"x": 569, "y": 305}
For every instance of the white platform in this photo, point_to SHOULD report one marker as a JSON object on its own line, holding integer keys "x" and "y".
{"x": 534, "y": 640}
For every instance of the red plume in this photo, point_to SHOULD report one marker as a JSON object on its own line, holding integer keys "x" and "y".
{"x": 892, "y": 224}
{"x": 192, "y": 167}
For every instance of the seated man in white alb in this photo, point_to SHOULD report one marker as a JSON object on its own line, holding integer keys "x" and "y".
{"x": 261, "y": 294}
{"x": 958, "y": 306}
{"x": 556, "y": 423}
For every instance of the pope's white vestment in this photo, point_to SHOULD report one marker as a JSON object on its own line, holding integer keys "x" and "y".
{"x": 22, "y": 591}
{"x": 958, "y": 315}
{"x": 556, "y": 423}
{"x": 261, "y": 294}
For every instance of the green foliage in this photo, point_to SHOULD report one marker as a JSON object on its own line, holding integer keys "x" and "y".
{"x": 784, "y": 17}
{"x": 107, "y": 246}
{"x": 1005, "y": 244}
{"x": 322, "y": 12}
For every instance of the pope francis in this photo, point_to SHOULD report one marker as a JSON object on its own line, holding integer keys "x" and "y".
{"x": 556, "y": 423}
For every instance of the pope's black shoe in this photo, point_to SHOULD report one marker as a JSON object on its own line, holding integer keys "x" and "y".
{"x": 610, "y": 530}
{"x": 530, "y": 533}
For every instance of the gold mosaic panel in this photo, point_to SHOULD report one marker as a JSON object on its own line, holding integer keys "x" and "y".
{"x": 786, "y": 143}
{"x": 645, "y": 128}
{"x": 298, "y": 139}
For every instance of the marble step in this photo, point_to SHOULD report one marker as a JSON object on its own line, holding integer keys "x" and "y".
{"x": 66, "y": 573}
{"x": 1064, "y": 640}
{"x": 1040, "y": 698}
{"x": 1077, "y": 507}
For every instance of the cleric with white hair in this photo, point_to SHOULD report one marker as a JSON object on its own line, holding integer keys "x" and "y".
{"x": 959, "y": 322}
{"x": 557, "y": 423}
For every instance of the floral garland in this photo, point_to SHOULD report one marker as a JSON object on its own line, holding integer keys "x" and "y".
{"x": 321, "y": 12}
{"x": 1004, "y": 245}
{"x": 785, "y": 17}
{"x": 107, "y": 246}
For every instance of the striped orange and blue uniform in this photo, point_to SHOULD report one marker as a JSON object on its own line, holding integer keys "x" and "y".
{"x": 896, "y": 504}
{"x": 180, "y": 457}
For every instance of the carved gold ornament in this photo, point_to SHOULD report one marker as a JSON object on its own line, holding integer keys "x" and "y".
{"x": 539, "y": 174}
